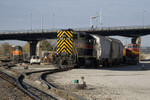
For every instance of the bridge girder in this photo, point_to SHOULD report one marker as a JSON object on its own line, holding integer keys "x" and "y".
{"x": 35, "y": 36}
{"x": 52, "y": 34}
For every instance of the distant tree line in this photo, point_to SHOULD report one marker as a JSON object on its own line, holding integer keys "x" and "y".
{"x": 5, "y": 49}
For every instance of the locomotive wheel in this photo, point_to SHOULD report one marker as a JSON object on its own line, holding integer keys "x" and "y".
{"x": 70, "y": 63}
{"x": 61, "y": 64}
{"x": 65, "y": 63}
{"x": 105, "y": 64}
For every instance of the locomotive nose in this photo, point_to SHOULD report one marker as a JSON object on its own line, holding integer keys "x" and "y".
{"x": 64, "y": 54}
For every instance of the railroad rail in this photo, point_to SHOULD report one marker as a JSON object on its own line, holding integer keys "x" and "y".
{"x": 12, "y": 81}
{"x": 63, "y": 93}
{"x": 38, "y": 94}
{"x": 33, "y": 92}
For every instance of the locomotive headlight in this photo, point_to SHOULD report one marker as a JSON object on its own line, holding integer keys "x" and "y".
{"x": 61, "y": 38}
{"x": 68, "y": 38}
{"x": 70, "y": 55}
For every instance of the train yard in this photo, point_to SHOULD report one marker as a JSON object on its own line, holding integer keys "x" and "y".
{"x": 33, "y": 83}
{"x": 49, "y": 52}
{"x": 115, "y": 83}
{"x": 101, "y": 72}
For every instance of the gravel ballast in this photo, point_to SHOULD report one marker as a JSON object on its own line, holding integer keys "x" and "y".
{"x": 117, "y": 83}
{"x": 9, "y": 92}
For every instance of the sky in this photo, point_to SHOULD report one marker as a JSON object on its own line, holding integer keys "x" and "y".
{"x": 49, "y": 14}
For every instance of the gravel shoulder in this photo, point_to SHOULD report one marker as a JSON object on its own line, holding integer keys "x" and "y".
{"x": 117, "y": 83}
{"x": 9, "y": 92}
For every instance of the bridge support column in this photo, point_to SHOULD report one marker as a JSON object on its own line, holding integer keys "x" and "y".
{"x": 136, "y": 40}
{"x": 39, "y": 49}
{"x": 33, "y": 47}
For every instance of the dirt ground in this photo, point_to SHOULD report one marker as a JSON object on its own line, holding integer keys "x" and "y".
{"x": 130, "y": 82}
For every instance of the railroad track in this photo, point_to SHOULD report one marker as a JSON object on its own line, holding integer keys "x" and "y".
{"x": 32, "y": 91}
{"x": 63, "y": 93}
{"x": 66, "y": 95}
{"x": 13, "y": 81}
{"x": 37, "y": 93}
{"x": 8, "y": 78}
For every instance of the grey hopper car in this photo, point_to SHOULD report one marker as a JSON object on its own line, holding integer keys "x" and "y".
{"x": 109, "y": 51}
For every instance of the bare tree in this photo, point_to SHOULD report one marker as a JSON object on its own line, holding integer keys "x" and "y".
{"x": 5, "y": 48}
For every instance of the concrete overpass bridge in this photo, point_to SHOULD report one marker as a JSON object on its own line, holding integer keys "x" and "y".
{"x": 36, "y": 35}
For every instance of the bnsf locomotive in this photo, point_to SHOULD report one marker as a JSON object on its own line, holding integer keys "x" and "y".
{"x": 17, "y": 54}
{"x": 80, "y": 49}
{"x": 131, "y": 53}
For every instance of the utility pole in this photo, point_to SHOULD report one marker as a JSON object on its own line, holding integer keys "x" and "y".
{"x": 96, "y": 19}
{"x": 91, "y": 20}
{"x": 53, "y": 21}
{"x": 108, "y": 19}
{"x": 143, "y": 18}
{"x": 42, "y": 21}
{"x": 101, "y": 19}
{"x": 31, "y": 21}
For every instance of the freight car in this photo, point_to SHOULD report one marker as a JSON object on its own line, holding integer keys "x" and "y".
{"x": 80, "y": 49}
{"x": 17, "y": 54}
{"x": 109, "y": 51}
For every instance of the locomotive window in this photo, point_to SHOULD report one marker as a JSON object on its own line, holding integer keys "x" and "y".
{"x": 82, "y": 35}
{"x": 94, "y": 41}
{"x": 61, "y": 38}
{"x": 136, "y": 46}
{"x": 74, "y": 36}
{"x": 129, "y": 46}
{"x": 68, "y": 38}
{"x": 90, "y": 40}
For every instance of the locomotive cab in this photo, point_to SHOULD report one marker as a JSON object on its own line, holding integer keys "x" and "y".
{"x": 131, "y": 53}
{"x": 73, "y": 49}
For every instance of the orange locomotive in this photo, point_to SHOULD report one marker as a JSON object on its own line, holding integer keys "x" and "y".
{"x": 131, "y": 53}
{"x": 17, "y": 54}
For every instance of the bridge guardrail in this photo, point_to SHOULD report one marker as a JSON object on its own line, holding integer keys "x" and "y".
{"x": 75, "y": 29}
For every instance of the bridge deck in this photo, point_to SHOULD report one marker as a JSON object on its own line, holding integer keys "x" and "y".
{"x": 36, "y": 35}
